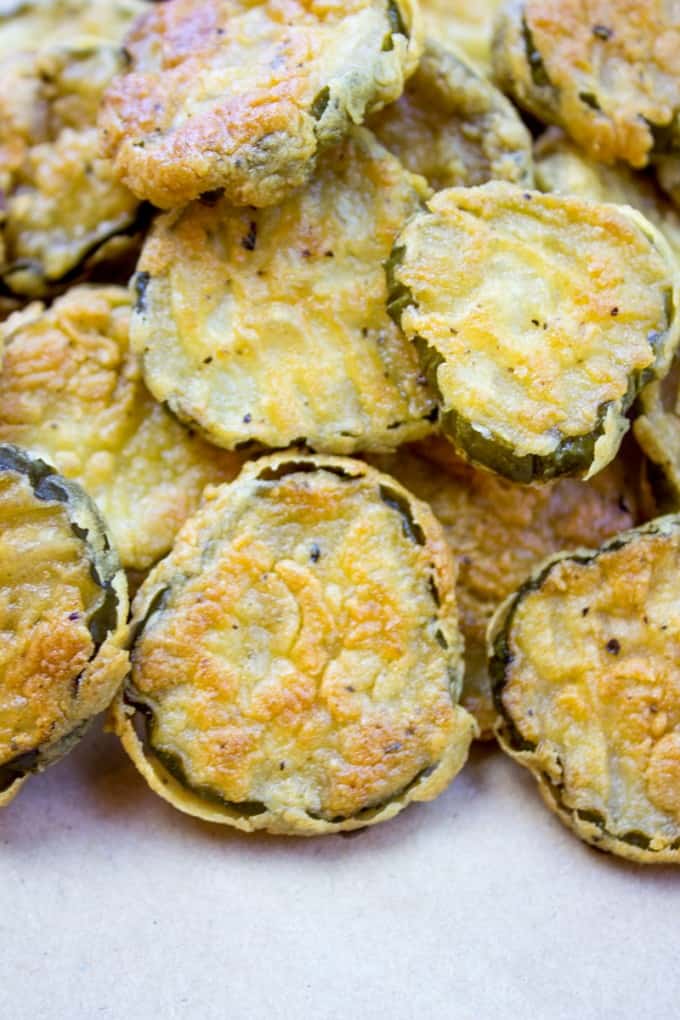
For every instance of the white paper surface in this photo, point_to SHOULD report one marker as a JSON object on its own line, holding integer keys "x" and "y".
{"x": 479, "y": 905}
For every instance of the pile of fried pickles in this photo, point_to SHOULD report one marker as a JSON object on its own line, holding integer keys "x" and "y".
{"x": 342, "y": 334}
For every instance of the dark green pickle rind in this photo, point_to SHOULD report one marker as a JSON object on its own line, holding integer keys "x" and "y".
{"x": 500, "y": 660}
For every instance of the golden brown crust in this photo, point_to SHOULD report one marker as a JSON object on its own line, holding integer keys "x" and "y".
{"x": 63, "y": 600}
{"x": 587, "y": 679}
{"x": 607, "y": 71}
{"x": 269, "y": 326}
{"x": 498, "y": 532}
{"x": 240, "y": 96}
{"x": 72, "y": 392}
{"x": 298, "y": 653}
{"x": 538, "y": 317}
{"x": 452, "y": 126}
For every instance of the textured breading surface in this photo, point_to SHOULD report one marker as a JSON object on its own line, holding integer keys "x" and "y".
{"x": 498, "y": 532}
{"x": 464, "y": 24}
{"x": 538, "y": 317}
{"x": 61, "y": 621}
{"x": 607, "y": 71}
{"x": 586, "y": 671}
{"x": 72, "y": 392}
{"x": 241, "y": 95}
{"x": 270, "y": 325}
{"x": 298, "y": 654}
{"x": 454, "y": 127}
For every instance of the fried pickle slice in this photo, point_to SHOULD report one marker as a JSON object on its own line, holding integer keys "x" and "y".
{"x": 499, "y": 531}
{"x": 240, "y": 96}
{"x": 607, "y": 71}
{"x": 463, "y": 25}
{"x": 586, "y": 678}
{"x": 63, "y": 613}
{"x": 538, "y": 318}
{"x": 269, "y": 326}
{"x": 72, "y": 392}
{"x": 454, "y": 127}
{"x": 297, "y": 660}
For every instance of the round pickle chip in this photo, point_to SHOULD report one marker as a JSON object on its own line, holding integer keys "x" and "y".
{"x": 63, "y": 612}
{"x": 72, "y": 392}
{"x": 538, "y": 318}
{"x": 499, "y": 531}
{"x": 240, "y": 96}
{"x": 269, "y": 326}
{"x": 607, "y": 71}
{"x": 561, "y": 166}
{"x": 452, "y": 126}
{"x": 464, "y": 25}
{"x": 296, "y": 661}
{"x": 586, "y": 676}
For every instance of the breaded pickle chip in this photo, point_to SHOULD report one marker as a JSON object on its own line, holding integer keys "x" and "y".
{"x": 269, "y": 326}
{"x": 63, "y": 607}
{"x": 38, "y": 24}
{"x": 586, "y": 675}
{"x": 561, "y": 166}
{"x": 538, "y": 318}
{"x": 72, "y": 392}
{"x": 297, "y": 661}
{"x": 241, "y": 94}
{"x": 464, "y": 25}
{"x": 499, "y": 531}
{"x": 453, "y": 127}
{"x": 63, "y": 203}
{"x": 657, "y": 430}
{"x": 607, "y": 71}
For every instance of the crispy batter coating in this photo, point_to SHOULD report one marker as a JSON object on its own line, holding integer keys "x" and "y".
{"x": 30, "y": 25}
{"x": 62, "y": 200}
{"x": 462, "y": 24}
{"x": 240, "y": 95}
{"x": 269, "y": 326}
{"x": 538, "y": 318}
{"x": 72, "y": 391}
{"x": 561, "y": 166}
{"x": 586, "y": 676}
{"x": 297, "y": 655}
{"x": 498, "y": 532}
{"x": 657, "y": 430}
{"x": 453, "y": 127}
{"x": 63, "y": 607}
{"x": 607, "y": 71}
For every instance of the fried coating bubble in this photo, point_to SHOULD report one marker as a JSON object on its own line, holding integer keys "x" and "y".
{"x": 453, "y": 127}
{"x": 607, "y": 71}
{"x": 72, "y": 392}
{"x": 297, "y": 661}
{"x": 498, "y": 532}
{"x": 561, "y": 166}
{"x": 63, "y": 610}
{"x": 240, "y": 95}
{"x": 269, "y": 326}
{"x": 461, "y": 24}
{"x": 538, "y": 318}
{"x": 63, "y": 203}
{"x": 585, "y": 669}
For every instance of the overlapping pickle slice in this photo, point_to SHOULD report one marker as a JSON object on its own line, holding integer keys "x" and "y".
{"x": 585, "y": 666}
{"x": 498, "y": 532}
{"x": 72, "y": 392}
{"x": 269, "y": 326}
{"x": 607, "y": 71}
{"x": 241, "y": 96}
{"x": 63, "y": 608}
{"x": 561, "y": 166}
{"x": 452, "y": 126}
{"x": 297, "y": 663}
{"x": 538, "y": 318}
{"x": 63, "y": 206}
{"x": 464, "y": 25}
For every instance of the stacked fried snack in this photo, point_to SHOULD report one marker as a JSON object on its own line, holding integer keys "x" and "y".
{"x": 375, "y": 363}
